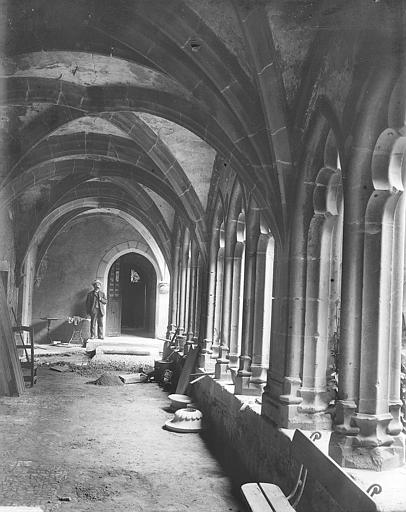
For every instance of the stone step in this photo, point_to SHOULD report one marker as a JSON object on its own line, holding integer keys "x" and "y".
{"x": 129, "y": 350}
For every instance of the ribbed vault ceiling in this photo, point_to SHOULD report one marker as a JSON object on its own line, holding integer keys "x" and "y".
{"x": 125, "y": 103}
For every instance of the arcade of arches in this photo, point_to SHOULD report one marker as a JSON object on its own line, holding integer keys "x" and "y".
{"x": 247, "y": 158}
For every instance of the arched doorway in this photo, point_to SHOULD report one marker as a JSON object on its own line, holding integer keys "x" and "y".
{"x": 132, "y": 283}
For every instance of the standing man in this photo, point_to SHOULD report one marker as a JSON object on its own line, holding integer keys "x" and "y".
{"x": 95, "y": 307}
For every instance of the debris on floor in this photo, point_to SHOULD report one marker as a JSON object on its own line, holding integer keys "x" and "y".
{"x": 61, "y": 368}
{"x": 64, "y": 498}
{"x": 108, "y": 379}
{"x": 94, "y": 492}
{"x": 133, "y": 378}
{"x": 185, "y": 420}
{"x": 179, "y": 401}
{"x": 105, "y": 448}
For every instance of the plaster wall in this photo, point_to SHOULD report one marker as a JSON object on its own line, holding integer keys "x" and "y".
{"x": 253, "y": 445}
{"x": 194, "y": 155}
{"x": 68, "y": 269}
{"x": 222, "y": 19}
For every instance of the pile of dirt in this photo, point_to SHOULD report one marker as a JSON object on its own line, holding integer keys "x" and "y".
{"x": 94, "y": 492}
{"x": 108, "y": 379}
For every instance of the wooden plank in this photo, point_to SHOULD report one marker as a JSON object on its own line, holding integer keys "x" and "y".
{"x": 276, "y": 498}
{"x": 331, "y": 476}
{"x": 255, "y": 498}
{"x": 187, "y": 369}
{"x": 11, "y": 376}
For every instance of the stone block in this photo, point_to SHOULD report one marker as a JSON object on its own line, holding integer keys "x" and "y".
{"x": 346, "y": 451}
{"x": 132, "y": 378}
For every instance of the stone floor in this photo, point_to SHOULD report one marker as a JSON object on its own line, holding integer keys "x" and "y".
{"x": 72, "y": 446}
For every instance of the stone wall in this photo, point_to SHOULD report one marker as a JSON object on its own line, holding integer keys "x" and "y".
{"x": 253, "y": 448}
{"x": 68, "y": 269}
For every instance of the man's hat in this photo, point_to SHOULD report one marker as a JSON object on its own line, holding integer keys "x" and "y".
{"x": 97, "y": 281}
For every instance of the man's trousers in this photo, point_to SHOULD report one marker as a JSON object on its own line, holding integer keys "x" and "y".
{"x": 96, "y": 318}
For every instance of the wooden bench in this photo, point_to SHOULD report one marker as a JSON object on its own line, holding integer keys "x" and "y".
{"x": 266, "y": 497}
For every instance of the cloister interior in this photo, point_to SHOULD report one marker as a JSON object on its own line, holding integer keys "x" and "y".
{"x": 245, "y": 160}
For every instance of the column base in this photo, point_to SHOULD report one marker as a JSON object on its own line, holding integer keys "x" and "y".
{"x": 170, "y": 331}
{"x": 243, "y": 385}
{"x": 344, "y": 413}
{"x": 181, "y": 339}
{"x": 258, "y": 379}
{"x": 373, "y": 429}
{"x": 314, "y": 400}
{"x": 257, "y": 386}
{"x": 271, "y": 409}
{"x": 312, "y": 413}
{"x": 215, "y": 350}
{"x": 290, "y": 391}
{"x": 280, "y": 400}
{"x": 205, "y": 354}
{"x": 187, "y": 347}
{"x": 348, "y": 453}
{"x": 222, "y": 372}
{"x": 290, "y": 416}
{"x": 395, "y": 426}
{"x": 233, "y": 360}
{"x": 259, "y": 373}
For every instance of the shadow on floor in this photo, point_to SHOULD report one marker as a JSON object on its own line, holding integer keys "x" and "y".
{"x": 231, "y": 463}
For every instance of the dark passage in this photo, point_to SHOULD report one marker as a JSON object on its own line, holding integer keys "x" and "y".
{"x": 132, "y": 296}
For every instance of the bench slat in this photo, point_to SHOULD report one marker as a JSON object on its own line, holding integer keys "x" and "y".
{"x": 276, "y": 497}
{"x": 331, "y": 476}
{"x": 255, "y": 498}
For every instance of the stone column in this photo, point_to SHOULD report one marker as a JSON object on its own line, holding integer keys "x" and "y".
{"x": 315, "y": 353}
{"x": 183, "y": 281}
{"x": 398, "y": 263}
{"x": 178, "y": 292}
{"x": 351, "y": 301}
{"x": 236, "y": 306}
{"x": 218, "y": 304}
{"x": 279, "y": 399}
{"x": 192, "y": 293}
{"x": 221, "y": 369}
{"x": 188, "y": 291}
{"x": 211, "y": 300}
{"x": 263, "y": 312}
{"x": 371, "y": 446}
{"x": 322, "y": 251}
{"x": 28, "y": 286}
{"x": 357, "y": 191}
{"x": 198, "y": 300}
{"x": 242, "y": 380}
{"x": 373, "y": 417}
{"x": 173, "y": 307}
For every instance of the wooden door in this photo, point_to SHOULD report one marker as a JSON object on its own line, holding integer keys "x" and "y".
{"x": 113, "y": 310}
